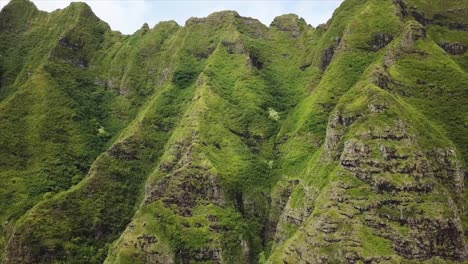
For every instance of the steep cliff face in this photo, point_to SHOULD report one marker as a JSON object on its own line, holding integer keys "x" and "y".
{"x": 227, "y": 141}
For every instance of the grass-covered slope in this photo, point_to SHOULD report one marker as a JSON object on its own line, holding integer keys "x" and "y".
{"x": 52, "y": 111}
{"x": 227, "y": 141}
{"x": 210, "y": 188}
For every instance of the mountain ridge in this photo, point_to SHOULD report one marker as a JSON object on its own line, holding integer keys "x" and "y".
{"x": 228, "y": 141}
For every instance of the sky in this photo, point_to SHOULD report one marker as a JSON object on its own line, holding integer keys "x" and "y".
{"x": 127, "y": 16}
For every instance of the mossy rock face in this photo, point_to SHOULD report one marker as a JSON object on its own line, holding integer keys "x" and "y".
{"x": 228, "y": 141}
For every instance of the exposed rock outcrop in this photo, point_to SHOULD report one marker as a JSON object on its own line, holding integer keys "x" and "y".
{"x": 125, "y": 150}
{"x": 296, "y": 211}
{"x": 413, "y": 32}
{"x": 392, "y": 173}
{"x": 327, "y": 57}
{"x": 186, "y": 184}
{"x": 380, "y": 41}
{"x": 407, "y": 8}
{"x": 453, "y": 48}
{"x": 289, "y": 23}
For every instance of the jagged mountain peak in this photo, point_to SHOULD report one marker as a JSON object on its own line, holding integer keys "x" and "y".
{"x": 21, "y": 3}
{"x": 287, "y": 21}
{"x": 216, "y": 18}
{"x": 79, "y": 6}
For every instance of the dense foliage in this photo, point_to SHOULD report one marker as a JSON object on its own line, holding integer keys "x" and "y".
{"x": 227, "y": 141}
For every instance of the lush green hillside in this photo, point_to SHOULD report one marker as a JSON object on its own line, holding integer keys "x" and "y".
{"x": 228, "y": 141}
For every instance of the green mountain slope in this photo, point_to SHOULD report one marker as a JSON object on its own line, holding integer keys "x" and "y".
{"x": 227, "y": 141}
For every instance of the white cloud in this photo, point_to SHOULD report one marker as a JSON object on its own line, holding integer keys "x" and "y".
{"x": 3, "y": 3}
{"x": 128, "y": 16}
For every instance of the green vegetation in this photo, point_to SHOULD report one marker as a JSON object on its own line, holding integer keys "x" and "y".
{"x": 229, "y": 141}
